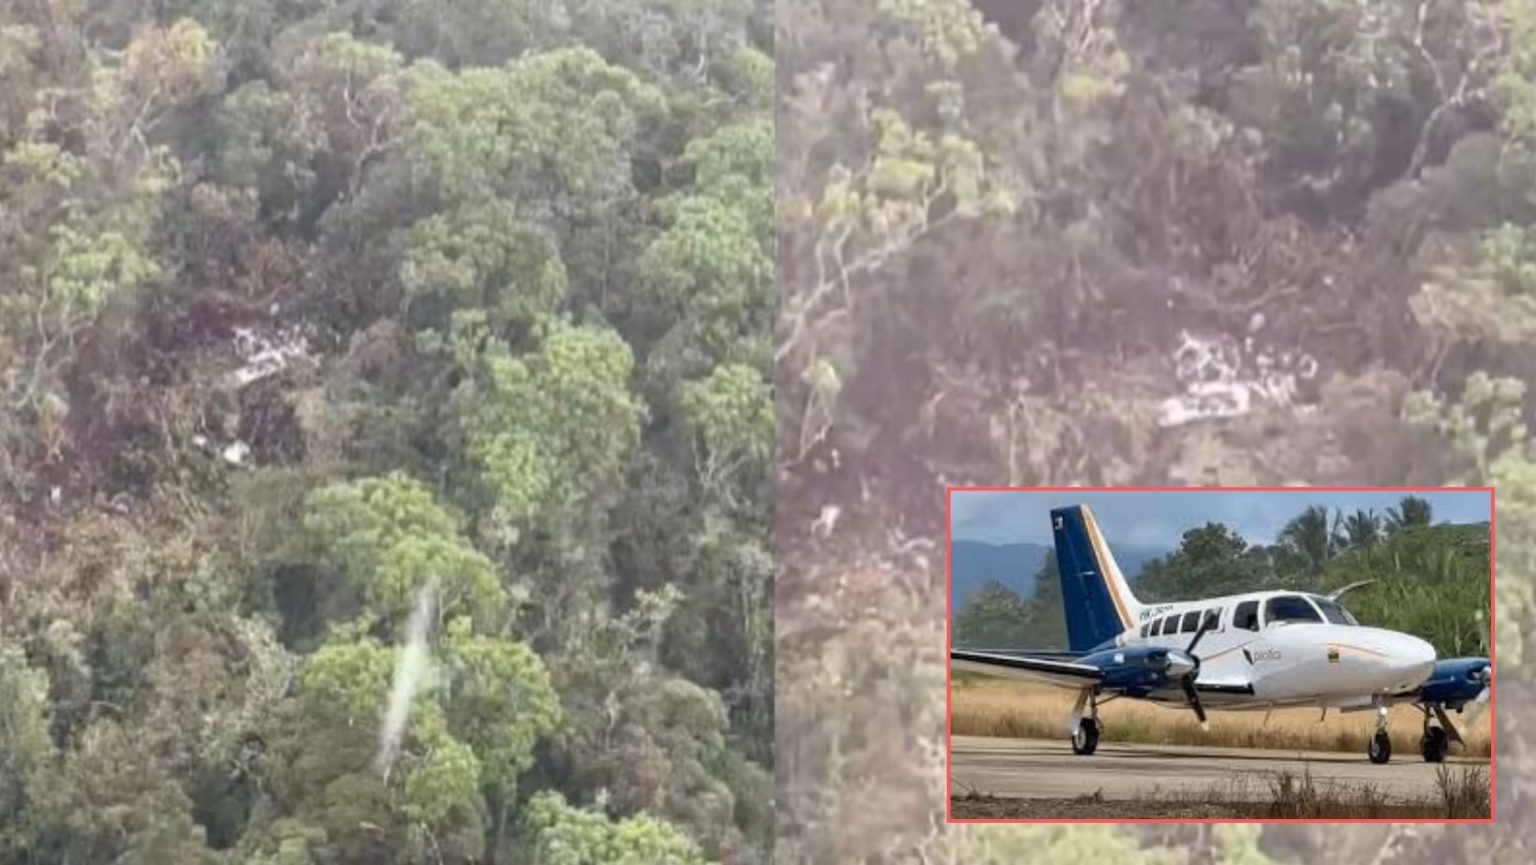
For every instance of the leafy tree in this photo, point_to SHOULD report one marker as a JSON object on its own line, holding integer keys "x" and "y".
{"x": 25, "y": 753}
{"x": 1362, "y": 529}
{"x": 996, "y": 617}
{"x": 1210, "y": 559}
{"x": 390, "y": 537}
{"x": 1411, "y": 513}
{"x": 1309, "y": 538}
{"x": 560, "y": 834}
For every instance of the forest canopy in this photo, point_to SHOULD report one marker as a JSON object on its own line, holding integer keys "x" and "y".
{"x": 385, "y": 432}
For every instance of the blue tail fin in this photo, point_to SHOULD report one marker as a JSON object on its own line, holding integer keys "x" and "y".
{"x": 1097, "y": 600}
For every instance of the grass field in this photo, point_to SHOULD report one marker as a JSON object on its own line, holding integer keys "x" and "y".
{"x": 995, "y": 707}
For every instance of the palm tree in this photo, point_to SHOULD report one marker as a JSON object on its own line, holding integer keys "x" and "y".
{"x": 1411, "y": 513}
{"x": 1362, "y": 529}
{"x": 1310, "y": 537}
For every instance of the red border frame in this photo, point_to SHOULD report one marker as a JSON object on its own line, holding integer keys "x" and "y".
{"x": 1493, "y": 697}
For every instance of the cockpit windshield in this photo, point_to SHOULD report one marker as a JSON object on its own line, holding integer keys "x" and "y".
{"x": 1333, "y": 612}
{"x": 1289, "y": 608}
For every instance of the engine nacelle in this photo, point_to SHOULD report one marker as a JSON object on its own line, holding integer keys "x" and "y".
{"x": 1455, "y": 682}
{"x": 1141, "y": 669}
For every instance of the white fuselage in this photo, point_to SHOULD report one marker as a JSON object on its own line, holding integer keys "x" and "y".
{"x": 1325, "y": 660}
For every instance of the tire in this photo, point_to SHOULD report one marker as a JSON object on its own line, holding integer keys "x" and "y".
{"x": 1380, "y": 750}
{"x": 1434, "y": 745}
{"x": 1086, "y": 739}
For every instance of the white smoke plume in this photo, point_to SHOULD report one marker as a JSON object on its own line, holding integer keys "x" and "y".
{"x": 409, "y": 672}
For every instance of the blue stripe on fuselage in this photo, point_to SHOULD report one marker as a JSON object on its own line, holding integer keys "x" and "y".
{"x": 1091, "y": 615}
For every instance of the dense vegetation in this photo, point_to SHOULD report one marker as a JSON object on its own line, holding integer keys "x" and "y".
{"x": 1430, "y": 580}
{"x": 318, "y": 316}
{"x": 1067, "y": 242}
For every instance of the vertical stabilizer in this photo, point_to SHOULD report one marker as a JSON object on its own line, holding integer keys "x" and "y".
{"x": 1094, "y": 593}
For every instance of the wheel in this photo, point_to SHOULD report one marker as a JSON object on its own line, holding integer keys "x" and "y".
{"x": 1086, "y": 739}
{"x": 1381, "y": 747}
{"x": 1434, "y": 744}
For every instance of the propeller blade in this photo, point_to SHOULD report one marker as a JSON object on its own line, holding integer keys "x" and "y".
{"x": 1352, "y": 586}
{"x": 1194, "y": 703}
{"x": 1479, "y": 705}
{"x": 1205, "y": 625}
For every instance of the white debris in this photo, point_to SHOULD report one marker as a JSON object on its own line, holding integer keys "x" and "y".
{"x": 266, "y": 353}
{"x": 1222, "y": 379}
{"x": 235, "y": 453}
{"x": 823, "y": 525}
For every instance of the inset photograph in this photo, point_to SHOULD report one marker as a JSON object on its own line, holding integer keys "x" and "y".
{"x": 1220, "y": 653}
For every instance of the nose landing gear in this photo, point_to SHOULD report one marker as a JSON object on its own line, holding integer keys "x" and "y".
{"x": 1380, "y": 748}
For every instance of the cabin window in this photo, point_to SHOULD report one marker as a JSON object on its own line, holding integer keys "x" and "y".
{"x": 1212, "y": 619}
{"x": 1171, "y": 625}
{"x": 1157, "y": 627}
{"x": 1290, "y": 608}
{"x": 1144, "y": 629}
{"x": 1191, "y": 621}
{"x": 1246, "y": 616}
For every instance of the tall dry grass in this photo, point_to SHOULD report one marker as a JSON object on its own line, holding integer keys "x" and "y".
{"x": 995, "y": 707}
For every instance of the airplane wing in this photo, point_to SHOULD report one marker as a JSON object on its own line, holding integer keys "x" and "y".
{"x": 1046, "y": 668}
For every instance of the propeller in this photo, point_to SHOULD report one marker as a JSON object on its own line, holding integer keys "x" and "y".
{"x": 1351, "y": 587}
{"x": 1480, "y": 702}
{"x": 1187, "y": 677}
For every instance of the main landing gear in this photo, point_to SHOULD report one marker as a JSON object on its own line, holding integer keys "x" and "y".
{"x": 1434, "y": 744}
{"x": 1085, "y": 737}
{"x": 1436, "y": 740}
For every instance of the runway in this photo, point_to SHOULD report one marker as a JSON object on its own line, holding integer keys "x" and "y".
{"x": 1047, "y": 769}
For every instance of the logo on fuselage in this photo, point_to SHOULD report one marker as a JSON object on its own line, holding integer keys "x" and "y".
{"x": 1262, "y": 655}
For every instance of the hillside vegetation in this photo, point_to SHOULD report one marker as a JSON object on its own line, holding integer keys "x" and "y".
{"x": 1056, "y": 242}
{"x": 385, "y": 416}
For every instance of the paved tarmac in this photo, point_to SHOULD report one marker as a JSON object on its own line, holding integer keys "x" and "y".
{"x": 1037, "y": 768}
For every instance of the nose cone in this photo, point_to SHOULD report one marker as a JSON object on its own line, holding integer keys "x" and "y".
{"x": 1412, "y": 661}
{"x": 1180, "y": 664}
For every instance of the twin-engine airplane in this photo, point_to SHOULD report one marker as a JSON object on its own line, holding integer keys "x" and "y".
{"x": 1261, "y": 650}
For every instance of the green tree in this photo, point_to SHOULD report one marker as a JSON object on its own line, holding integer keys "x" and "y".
{"x": 996, "y": 617}
{"x": 390, "y": 537}
{"x": 559, "y": 834}
{"x": 1211, "y": 559}
{"x": 25, "y": 754}
{"x": 1362, "y": 529}
{"x": 1409, "y": 514}
{"x": 1309, "y": 539}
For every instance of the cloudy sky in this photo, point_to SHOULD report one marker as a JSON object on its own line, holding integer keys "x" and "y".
{"x": 1159, "y": 519}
